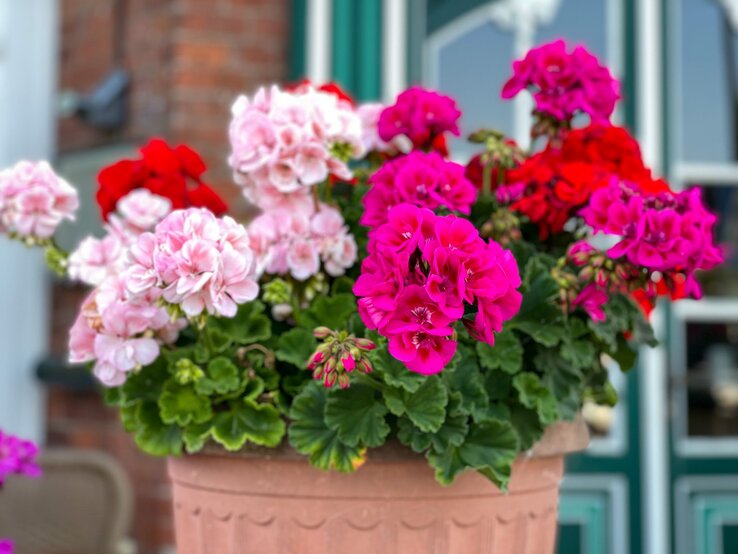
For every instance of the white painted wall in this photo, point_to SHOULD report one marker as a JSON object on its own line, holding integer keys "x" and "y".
{"x": 28, "y": 53}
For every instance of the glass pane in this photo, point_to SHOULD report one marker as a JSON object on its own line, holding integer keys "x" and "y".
{"x": 723, "y": 201}
{"x": 712, "y": 379}
{"x": 475, "y": 82}
{"x": 705, "y": 86}
{"x": 580, "y": 22}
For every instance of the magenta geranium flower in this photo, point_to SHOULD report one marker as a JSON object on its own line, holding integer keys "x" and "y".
{"x": 564, "y": 83}
{"x": 423, "y": 179}
{"x": 17, "y": 457}
{"x": 422, "y": 272}
{"x": 671, "y": 233}
{"x": 421, "y": 115}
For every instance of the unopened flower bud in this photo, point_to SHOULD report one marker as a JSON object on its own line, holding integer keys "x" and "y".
{"x": 322, "y": 332}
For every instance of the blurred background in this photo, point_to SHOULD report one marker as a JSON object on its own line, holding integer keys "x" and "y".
{"x": 83, "y": 82}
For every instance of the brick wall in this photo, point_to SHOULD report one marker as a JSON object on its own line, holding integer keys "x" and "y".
{"x": 188, "y": 59}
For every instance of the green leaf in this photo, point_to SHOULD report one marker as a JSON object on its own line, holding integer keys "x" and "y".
{"x": 153, "y": 436}
{"x": 343, "y": 285}
{"x": 564, "y": 381}
{"x": 452, "y": 432}
{"x": 490, "y": 447}
{"x": 527, "y": 425}
{"x": 624, "y": 355}
{"x": 394, "y": 372}
{"x": 221, "y": 377}
{"x": 548, "y": 332}
{"x": 425, "y": 407}
{"x": 535, "y": 395}
{"x": 196, "y": 435}
{"x": 182, "y": 405}
{"x": 579, "y": 353}
{"x": 357, "y": 416}
{"x": 539, "y": 312}
{"x": 248, "y": 421}
{"x": 250, "y": 325}
{"x": 329, "y": 311}
{"x": 411, "y": 436}
{"x": 296, "y": 346}
{"x": 506, "y": 354}
{"x": 464, "y": 377}
{"x": 217, "y": 338}
{"x": 146, "y": 384}
{"x": 498, "y": 385}
{"x": 310, "y": 435}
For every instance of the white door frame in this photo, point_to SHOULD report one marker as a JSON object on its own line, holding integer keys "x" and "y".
{"x": 28, "y": 62}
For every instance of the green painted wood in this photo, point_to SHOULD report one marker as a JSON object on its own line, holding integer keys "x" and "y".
{"x": 344, "y": 43}
{"x": 368, "y": 80}
{"x": 709, "y": 514}
{"x": 590, "y": 512}
{"x": 298, "y": 39}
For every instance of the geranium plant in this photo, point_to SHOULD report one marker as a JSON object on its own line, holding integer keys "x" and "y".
{"x": 384, "y": 292}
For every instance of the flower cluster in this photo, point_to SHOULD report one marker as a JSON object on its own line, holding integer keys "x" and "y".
{"x": 338, "y": 356}
{"x": 6, "y": 546}
{"x": 421, "y": 273}
{"x": 296, "y": 243}
{"x": 119, "y": 331}
{"x": 200, "y": 263}
{"x": 288, "y": 141}
{"x": 664, "y": 232}
{"x": 34, "y": 201}
{"x": 423, "y": 179}
{"x": 95, "y": 258}
{"x": 565, "y": 83}
{"x": 174, "y": 174}
{"x": 550, "y": 187}
{"x": 421, "y": 115}
{"x": 17, "y": 457}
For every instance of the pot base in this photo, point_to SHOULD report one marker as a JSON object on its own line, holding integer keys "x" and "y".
{"x": 272, "y": 504}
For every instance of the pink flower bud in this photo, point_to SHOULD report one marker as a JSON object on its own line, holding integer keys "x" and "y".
{"x": 348, "y": 362}
{"x": 365, "y": 344}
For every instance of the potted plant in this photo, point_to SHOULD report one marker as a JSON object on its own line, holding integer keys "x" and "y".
{"x": 426, "y": 331}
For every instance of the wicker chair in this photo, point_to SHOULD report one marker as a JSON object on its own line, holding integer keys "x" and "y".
{"x": 81, "y": 505}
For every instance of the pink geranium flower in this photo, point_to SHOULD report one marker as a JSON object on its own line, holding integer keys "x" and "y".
{"x": 285, "y": 142}
{"x": 423, "y": 179}
{"x": 34, "y": 200}
{"x": 565, "y": 83}
{"x": 285, "y": 241}
{"x": 17, "y": 457}
{"x": 419, "y": 332}
{"x": 196, "y": 260}
{"x": 421, "y": 274}
{"x": 421, "y": 115}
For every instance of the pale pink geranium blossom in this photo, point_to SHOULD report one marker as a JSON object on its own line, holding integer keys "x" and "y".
{"x": 141, "y": 210}
{"x": 34, "y": 200}
{"x": 297, "y": 242}
{"x": 200, "y": 262}
{"x": 287, "y": 141}
{"x": 120, "y": 332}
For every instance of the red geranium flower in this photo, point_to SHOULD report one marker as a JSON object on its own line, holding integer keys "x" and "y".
{"x": 559, "y": 180}
{"x": 174, "y": 173}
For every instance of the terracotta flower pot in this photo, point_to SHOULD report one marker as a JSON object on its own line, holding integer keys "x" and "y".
{"x": 277, "y": 503}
